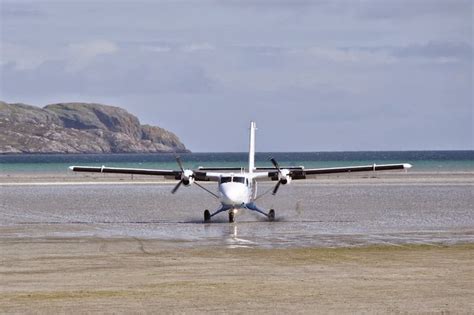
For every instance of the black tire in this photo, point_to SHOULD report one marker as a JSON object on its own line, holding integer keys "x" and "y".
{"x": 231, "y": 216}
{"x": 207, "y": 216}
{"x": 271, "y": 215}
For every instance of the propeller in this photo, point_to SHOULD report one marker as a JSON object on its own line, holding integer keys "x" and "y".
{"x": 275, "y": 163}
{"x": 282, "y": 178}
{"x": 178, "y": 159}
{"x": 276, "y": 188}
{"x": 175, "y": 189}
{"x": 183, "y": 177}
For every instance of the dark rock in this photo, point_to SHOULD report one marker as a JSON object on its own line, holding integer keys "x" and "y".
{"x": 79, "y": 128}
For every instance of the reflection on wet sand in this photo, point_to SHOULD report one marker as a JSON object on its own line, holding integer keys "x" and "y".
{"x": 343, "y": 213}
{"x": 234, "y": 241}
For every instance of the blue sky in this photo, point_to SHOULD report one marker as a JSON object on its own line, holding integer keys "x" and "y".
{"x": 315, "y": 75}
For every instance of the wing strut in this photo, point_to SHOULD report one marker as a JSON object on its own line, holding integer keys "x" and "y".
{"x": 204, "y": 188}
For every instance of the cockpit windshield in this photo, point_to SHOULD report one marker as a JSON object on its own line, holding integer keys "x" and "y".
{"x": 226, "y": 179}
{"x": 239, "y": 179}
{"x": 235, "y": 179}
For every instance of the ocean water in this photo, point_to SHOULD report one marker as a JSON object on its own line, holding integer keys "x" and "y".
{"x": 422, "y": 161}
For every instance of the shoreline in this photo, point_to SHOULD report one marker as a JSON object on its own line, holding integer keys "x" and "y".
{"x": 379, "y": 177}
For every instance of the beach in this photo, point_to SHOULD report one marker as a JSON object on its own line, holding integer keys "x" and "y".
{"x": 390, "y": 243}
{"x": 83, "y": 275}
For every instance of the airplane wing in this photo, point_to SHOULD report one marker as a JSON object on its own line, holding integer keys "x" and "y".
{"x": 299, "y": 172}
{"x": 168, "y": 174}
{"x": 365, "y": 168}
{"x": 302, "y": 173}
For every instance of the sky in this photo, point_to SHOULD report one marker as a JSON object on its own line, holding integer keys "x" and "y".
{"x": 314, "y": 75}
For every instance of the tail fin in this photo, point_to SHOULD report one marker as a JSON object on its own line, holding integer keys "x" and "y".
{"x": 253, "y": 127}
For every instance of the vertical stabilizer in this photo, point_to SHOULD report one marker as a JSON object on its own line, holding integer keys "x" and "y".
{"x": 253, "y": 127}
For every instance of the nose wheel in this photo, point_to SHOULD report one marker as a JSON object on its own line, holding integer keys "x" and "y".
{"x": 231, "y": 216}
{"x": 207, "y": 216}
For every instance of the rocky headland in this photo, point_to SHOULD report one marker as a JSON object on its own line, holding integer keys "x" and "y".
{"x": 79, "y": 128}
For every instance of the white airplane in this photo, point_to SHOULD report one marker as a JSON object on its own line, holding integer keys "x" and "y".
{"x": 237, "y": 188}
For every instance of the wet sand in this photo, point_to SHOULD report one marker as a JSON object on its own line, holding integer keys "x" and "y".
{"x": 394, "y": 208}
{"x": 82, "y": 275}
{"x": 387, "y": 244}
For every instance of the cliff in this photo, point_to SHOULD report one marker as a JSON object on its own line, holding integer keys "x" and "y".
{"x": 79, "y": 128}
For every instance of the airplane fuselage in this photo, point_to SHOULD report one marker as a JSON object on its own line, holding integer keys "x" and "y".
{"x": 236, "y": 191}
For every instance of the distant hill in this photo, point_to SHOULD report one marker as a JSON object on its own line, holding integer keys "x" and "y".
{"x": 79, "y": 128}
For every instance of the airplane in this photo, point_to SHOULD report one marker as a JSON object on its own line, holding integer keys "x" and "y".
{"x": 237, "y": 187}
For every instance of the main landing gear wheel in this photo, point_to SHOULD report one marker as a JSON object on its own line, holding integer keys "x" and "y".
{"x": 207, "y": 216}
{"x": 271, "y": 215}
{"x": 231, "y": 216}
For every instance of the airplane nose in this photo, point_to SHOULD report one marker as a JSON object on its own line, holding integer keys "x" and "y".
{"x": 232, "y": 194}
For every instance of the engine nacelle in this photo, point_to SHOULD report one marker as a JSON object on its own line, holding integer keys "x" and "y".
{"x": 285, "y": 177}
{"x": 188, "y": 177}
{"x": 188, "y": 181}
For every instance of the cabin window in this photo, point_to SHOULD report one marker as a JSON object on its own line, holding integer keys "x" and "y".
{"x": 226, "y": 179}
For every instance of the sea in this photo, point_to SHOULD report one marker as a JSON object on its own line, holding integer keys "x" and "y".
{"x": 422, "y": 161}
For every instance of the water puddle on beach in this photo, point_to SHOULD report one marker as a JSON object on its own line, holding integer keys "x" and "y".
{"x": 332, "y": 216}
{"x": 238, "y": 235}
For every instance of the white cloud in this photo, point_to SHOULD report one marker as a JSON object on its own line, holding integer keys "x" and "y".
{"x": 92, "y": 49}
{"x": 81, "y": 54}
{"x": 157, "y": 49}
{"x": 437, "y": 51}
{"x": 351, "y": 55}
{"x": 21, "y": 57}
{"x": 198, "y": 47}
{"x": 76, "y": 55}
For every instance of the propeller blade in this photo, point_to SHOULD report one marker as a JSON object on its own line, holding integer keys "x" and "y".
{"x": 275, "y": 163}
{"x": 276, "y": 188}
{"x": 178, "y": 159}
{"x": 177, "y": 186}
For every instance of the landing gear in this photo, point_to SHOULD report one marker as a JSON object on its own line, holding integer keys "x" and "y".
{"x": 233, "y": 212}
{"x": 207, "y": 216}
{"x": 271, "y": 215}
